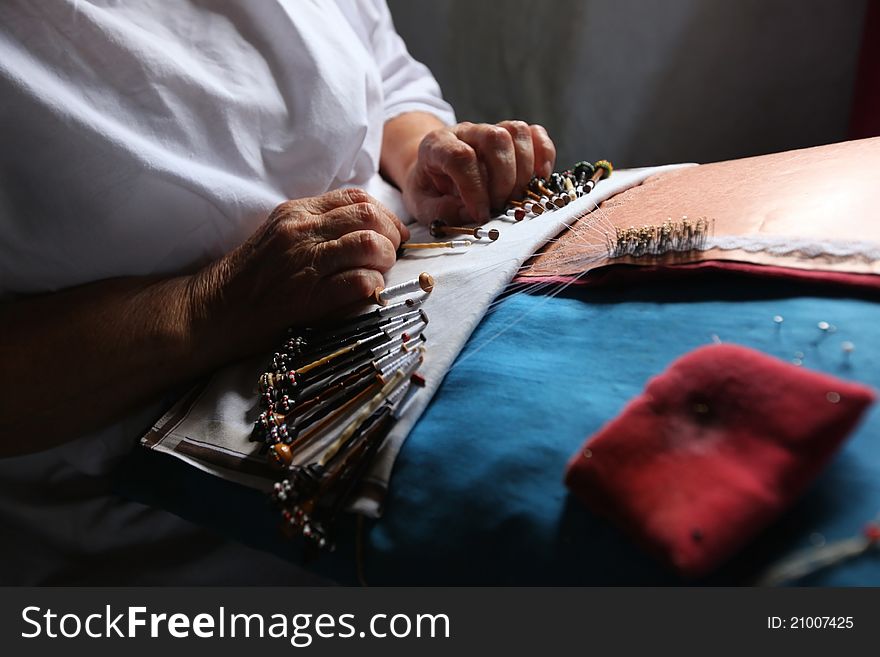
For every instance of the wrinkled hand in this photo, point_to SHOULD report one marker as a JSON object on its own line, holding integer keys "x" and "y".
{"x": 464, "y": 172}
{"x": 312, "y": 258}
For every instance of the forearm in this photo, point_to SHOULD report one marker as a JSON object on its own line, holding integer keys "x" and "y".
{"x": 76, "y": 360}
{"x": 400, "y": 143}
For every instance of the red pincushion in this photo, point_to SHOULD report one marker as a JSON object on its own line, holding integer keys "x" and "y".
{"x": 713, "y": 451}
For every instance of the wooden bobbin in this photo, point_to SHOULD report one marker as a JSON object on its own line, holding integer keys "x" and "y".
{"x": 425, "y": 283}
{"x": 441, "y": 229}
{"x": 282, "y": 456}
{"x": 603, "y": 170}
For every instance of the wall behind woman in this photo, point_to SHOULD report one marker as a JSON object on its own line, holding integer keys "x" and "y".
{"x": 643, "y": 82}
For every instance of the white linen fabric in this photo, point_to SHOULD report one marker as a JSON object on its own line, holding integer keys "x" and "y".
{"x": 149, "y": 137}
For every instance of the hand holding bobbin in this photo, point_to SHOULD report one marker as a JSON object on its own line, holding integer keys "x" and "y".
{"x": 425, "y": 283}
{"x": 464, "y": 171}
{"x": 312, "y": 258}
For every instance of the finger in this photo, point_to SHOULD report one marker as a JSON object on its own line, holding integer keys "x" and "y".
{"x": 362, "y": 216}
{"x": 446, "y": 208}
{"x": 347, "y": 288}
{"x": 494, "y": 147}
{"x": 447, "y": 154}
{"x": 545, "y": 151}
{"x": 362, "y": 249}
{"x": 338, "y": 198}
{"x": 524, "y": 151}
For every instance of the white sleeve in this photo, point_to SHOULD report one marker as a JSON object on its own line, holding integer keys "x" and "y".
{"x": 408, "y": 85}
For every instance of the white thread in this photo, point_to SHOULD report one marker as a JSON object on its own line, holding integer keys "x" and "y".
{"x": 800, "y": 246}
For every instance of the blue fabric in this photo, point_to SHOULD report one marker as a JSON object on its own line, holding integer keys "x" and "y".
{"x": 477, "y": 494}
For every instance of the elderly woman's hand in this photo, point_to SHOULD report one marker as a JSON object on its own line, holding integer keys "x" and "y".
{"x": 120, "y": 342}
{"x": 312, "y": 258}
{"x": 464, "y": 172}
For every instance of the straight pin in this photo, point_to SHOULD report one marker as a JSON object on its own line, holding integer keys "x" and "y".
{"x": 848, "y": 348}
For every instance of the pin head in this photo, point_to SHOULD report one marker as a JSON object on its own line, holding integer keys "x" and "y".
{"x": 426, "y": 281}
{"x": 606, "y": 166}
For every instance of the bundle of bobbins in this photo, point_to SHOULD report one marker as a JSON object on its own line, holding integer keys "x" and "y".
{"x": 329, "y": 399}
{"x": 542, "y": 195}
{"x": 561, "y": 188}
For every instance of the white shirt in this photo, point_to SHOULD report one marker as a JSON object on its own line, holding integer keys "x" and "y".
{"x": 150, "y": 137}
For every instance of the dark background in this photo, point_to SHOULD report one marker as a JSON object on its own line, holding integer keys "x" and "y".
{"x": 644, "y": 83}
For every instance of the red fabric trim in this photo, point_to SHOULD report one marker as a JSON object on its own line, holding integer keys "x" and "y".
{"x": 611, "y": 275}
